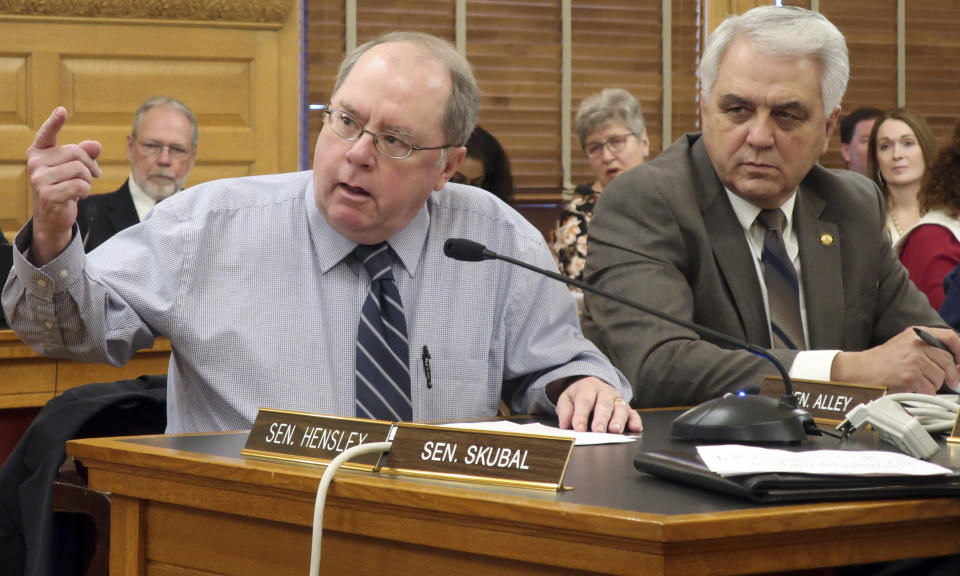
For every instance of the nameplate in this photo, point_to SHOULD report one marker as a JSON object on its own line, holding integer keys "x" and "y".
{"x": 313, "y": 438}
{"x": 489, "y": 457}
{"x": 827, "y": 402}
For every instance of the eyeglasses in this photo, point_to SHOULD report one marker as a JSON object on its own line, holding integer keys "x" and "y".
{"x": 614, "y": 143}
{"x": 350, "y": 128}
{"x": 154, "y": 149}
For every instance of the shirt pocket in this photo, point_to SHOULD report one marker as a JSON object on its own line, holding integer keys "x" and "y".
{"x": 459, "y": 386}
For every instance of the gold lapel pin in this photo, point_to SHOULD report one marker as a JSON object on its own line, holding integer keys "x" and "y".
{"x": 826, "y": 239}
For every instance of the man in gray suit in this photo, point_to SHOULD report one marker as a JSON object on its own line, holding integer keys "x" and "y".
{"x": 680, "y": 235}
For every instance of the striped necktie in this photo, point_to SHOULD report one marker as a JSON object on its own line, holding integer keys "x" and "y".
{"x": 783, "y": 288}
{"x": 382, "y": 360}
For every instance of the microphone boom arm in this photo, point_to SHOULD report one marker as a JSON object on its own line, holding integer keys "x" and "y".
{"x": 788, "y": 397}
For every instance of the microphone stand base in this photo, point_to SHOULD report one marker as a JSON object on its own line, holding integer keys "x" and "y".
{"x": 748, "y": 419}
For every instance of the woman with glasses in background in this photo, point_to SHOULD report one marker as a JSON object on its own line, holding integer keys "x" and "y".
{"x": 612, "y": 134}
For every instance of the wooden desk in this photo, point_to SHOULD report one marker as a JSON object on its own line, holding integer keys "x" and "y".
{"x": 29, "y": 380}
{"x": 190, "y": 504}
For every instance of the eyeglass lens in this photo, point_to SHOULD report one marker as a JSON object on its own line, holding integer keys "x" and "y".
{"x": 615, "y": 143}
{"x": 348, "y": 127}
{"x": 156, "y": 148}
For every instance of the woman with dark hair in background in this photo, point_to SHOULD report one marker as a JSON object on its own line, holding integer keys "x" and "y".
{"x": 901, "y": 150}
{"x": 486, "y": 165}
{"x": 930, "y": 248}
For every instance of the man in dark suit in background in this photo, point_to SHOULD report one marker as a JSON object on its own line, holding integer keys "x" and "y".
{"x": 682, "y": 234}
{"x": 855, "y": 131}
{"x": 161, "y": 149}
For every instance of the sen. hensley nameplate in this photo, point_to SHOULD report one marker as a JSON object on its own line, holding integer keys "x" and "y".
{"x": 827, "y": 402}
{"x": 313, "y": 438}
{"x": 524, "y": 460}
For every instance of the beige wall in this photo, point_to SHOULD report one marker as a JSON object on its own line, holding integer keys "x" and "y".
{"x": 234, "y": 62}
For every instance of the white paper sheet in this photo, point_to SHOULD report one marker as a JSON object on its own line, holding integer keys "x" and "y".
{"x": 735, "y": 460}
{"x": 581, "y": 438}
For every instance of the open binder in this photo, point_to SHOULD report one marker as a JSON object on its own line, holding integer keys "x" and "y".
{"x": 789, "y": 487}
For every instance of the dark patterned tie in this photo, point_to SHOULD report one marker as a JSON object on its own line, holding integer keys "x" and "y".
{"x": 783, "y": 289}
{"x": 382, "y": 364}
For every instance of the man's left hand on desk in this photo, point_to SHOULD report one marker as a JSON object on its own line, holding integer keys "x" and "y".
{"x": 610, "y": 412}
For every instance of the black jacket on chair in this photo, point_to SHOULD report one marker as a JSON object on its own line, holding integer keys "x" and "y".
{"x": 27, "y": 521}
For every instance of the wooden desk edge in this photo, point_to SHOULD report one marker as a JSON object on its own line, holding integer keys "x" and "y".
{"x": 251, "y": 474}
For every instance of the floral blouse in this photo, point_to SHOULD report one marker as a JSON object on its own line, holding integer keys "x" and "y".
{"x": 570, "y": 234}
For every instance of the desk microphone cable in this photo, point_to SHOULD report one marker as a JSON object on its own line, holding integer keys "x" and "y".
{"x": 325, "y": 480}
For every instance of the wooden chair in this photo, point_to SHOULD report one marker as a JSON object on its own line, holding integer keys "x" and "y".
{"x": 72, "y": 495}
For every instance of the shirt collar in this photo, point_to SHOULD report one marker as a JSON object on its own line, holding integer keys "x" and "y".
{"x": 332, "y": 247}
{"x": 747, "y": 213}
{"x": 141, "y": 202}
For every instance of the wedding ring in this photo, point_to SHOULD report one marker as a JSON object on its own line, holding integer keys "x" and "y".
{"x": 619, "y": 401}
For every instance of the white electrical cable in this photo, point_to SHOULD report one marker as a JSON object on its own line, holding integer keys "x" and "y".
{"x": 934, "y": 413}
{"x": 325, "y": 480}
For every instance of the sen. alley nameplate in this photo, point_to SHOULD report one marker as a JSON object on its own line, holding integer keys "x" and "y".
{"x": 313, "y": 438}
{"x": 827, "y": 402}
{"x": 529, "y": 461}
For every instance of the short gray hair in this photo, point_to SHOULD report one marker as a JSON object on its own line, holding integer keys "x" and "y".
{"x": 463, "y": 106}
{"x": 166, "y": 101}
{"x": 786, "y": 32}
{"x": 610, "y": 105}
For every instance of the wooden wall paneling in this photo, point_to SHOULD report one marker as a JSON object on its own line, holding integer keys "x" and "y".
{"x": 607, "y": 31}
{"x": 617, "y": 44}
{"x": 515, "y": 50}
{"x": 933, "y": 63}
{"x": 687, "y": 47}
{"x": 290, "y": 106}
{"x": 241, "y": 78}
{"x": 377, "y": 17}
{"x": 718, "y": 10}
{"x": 870, "y": 28}
{"x": 325, "y": 49}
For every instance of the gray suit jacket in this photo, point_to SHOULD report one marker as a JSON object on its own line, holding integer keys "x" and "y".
{"x": 685, "y": 254}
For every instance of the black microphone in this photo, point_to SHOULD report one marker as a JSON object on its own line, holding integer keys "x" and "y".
{"x": 730, "y": 418}
{"x": 89, "y": 213}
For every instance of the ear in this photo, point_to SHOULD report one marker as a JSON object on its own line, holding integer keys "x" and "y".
{"x": 832, "y": 122}
{"x": 131, "y": 153}
{"x": 845, "y": 152}
{"x": 645, "y": 144}
{"x": 455, "y": 155}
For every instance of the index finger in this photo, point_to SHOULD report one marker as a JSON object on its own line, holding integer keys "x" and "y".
{"x": 50, "y": 129}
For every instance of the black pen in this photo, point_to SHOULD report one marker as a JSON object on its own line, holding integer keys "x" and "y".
{"x": 933, "y": 341}
{"x": 426, "y": 365}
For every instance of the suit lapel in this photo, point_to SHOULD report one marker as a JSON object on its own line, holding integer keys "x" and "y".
{"x": 730, "y": 249}
{"x": 820, "y": 265}
{"x": 121, "y": 212}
